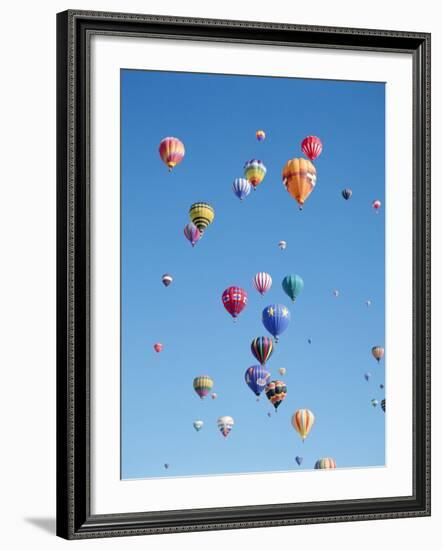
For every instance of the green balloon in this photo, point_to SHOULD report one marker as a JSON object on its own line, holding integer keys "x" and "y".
{"x": 292, "y": 286}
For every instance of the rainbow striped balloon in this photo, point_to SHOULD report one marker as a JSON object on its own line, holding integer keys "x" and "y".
{"x": 202, "y": 385}
{"x": 325, "y": 464}
{"x": 303, "y": 421}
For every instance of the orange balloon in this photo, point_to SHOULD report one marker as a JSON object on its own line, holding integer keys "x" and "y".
{"x": 299, "y": 178}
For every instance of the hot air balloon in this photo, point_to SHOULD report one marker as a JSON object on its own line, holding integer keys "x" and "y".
{"x": 309, "y": 340}
{"x": 276, "y": 319}
{"x": 260, "y": 135}
{"x": 299, "y": 178}
{"x": 282, "y": 371}
{"x": 299, "y": 460}
{"x": 347, "y": 193}
{"x": 377, "y": 352}
{"x": 171, "y": 151}
{"x": 374, "y": 402}
{"x": 202, "y": 215}
{"x": 241, "y": 187}
{"x": 166, "y": 466}
{"x": 262, "y": 282}
{"x": 202, "y": 385}
{"x": 254, "y": 171}
{"x": 269, "y": 414}
{"x": 276, "y": 392}
{"x": 311, "y": 147}
{"x": 376, "y": 205}
{"x": 192, "y": 233}
{"x": 256, "y": 378}
{"x": 262, "y": 348}
{"x": 367, "y": 376}
{"x": 225, "y": 424}
{"x": 383, "y": 405}
{"x": 198, "y": 424}
{"x": 292, "y": 286}
{"x": 234, "y": 300}
{"x": 158, "y": 347}
{"x": 166, "y": 279}
{"x": 214, "y": 395}
{"x": 302, "y": 421}
{"x": 336, "y": 293}
{"x": 368, "y": 303}
{"x": 381, "y": 386}
{"x": 325, "y": 464}
{"x": 282, "y": 245}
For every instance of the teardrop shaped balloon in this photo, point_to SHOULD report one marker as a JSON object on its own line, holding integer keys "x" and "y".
{"x": 214, "y": 395}
{"x": 234, "y": 300}
{"x": 202, "y": 215}
{"x": 311, "y": 147}
{"x": 158, "y": 347}
{"x": 262, "y": 282}
{"x": 299, "y": 178}
{"x": 302, "y": 421}
{"x": 256, "y": 378}
{"x": 299, "y": 460}
{"x": 367, "y": 376}
{"x": 276, "y": 392}
{"x": 336, "y": 293}
{"x": 241, "y": 187}
{"x": 376, "y": 205}
{"x": 374, "y": 402}
{"x": 282, "y": 245}
{"x": 276, "y": 319}
{"x": 292, "y": 286}
{"x": 347, "y": 193}
{"x": 166, "y": 279}
{"x": 171, "y": 151}
{"x": 262, "y": 348}
{"x": 282, "y": 371}
{"x": 325, "y": 464}
{"x": 202, "y": 385}
{"x": 192, "y": 233}
{"x": 166, "y": 466}
{"x": 198, "y": 424}
{"x": 260, "y": 135}
{"x": 377, "y": 352}
{"x": 225, "y": 425}
{"x": 254, "y": 172}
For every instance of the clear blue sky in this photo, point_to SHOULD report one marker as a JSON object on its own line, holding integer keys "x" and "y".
{"x": 332, "y": 244}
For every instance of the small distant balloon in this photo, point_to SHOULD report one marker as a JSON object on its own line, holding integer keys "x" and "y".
{"x": 374, "y": 402}
{"x": 166, "y": 279}
{"x": 254, "y": 172}
{"x": 377, "y": 352}
{"x": 368, "y": 303}
{"x": 225, "y": 425}
{"x": 302, "y": 421}
{"x": 325, "y": 464}
{"x": 214, "y": 396}
{"x": 311, "y": 147}
{"x": 299, "y": 460}
{"x": 262, "y": 282}
{"x": 347, "y": 193}
{"x": 282, "y": 245}
{"x": 171, "y": 151}
{"x": 367, "y": 376}
{"x": 336, "y": 293}
{"x": 198, "y": 424}
{"x": 269, "y": 414}
{"x": 192, "y": 233}
{"x": 241, "y": 187}
{"x": 383, "y": 405}
{"x": 282, "y": 371}
{"x": 158, "y": 347}
{"x": 260, "y": 135}
{"x": 309, "y": 340}
{"x": 381, "y": 386}
{"x": 166, "y": 466}
{"x": 376, "y": 205}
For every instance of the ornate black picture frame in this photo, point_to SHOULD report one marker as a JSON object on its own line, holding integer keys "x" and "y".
{"x": 74, "y": 518}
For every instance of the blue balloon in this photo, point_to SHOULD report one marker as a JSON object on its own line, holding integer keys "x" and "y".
{"x": 276, "y": 319}
{"x": 256, "y": 378}
{"x": 241, "y": 187}
{"x": 299, "y": 460}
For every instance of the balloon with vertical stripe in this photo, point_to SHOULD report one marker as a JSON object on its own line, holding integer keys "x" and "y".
{"x": 311, "y": 147}
{"x": 302, "y": 421}
{"x": 254, "y": 172}
{"x": 225, "y": 425}
{"x": 262, "y": 348}
{"x": 325, "y": 464}
{"x": 171, "y": 151}
{"x": 241, "y": 187}
{"x": 262, "y": 281}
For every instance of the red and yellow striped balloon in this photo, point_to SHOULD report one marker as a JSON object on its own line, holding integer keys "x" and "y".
{"x": 303, "y": 421}
{"x": 171, "y": 151}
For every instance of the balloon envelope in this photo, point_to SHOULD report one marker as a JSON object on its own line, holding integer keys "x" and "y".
{"x": 262, "y": 348}
{"x": 325, "y": 464}
{"x": 234, "y": 300}
{"x": 171, "y": 151}
{"x": 158, "y": 347}
{"x": 302, "y": 421}
{"x": 262, "y": 282}
{"x": 299, "y": 178}
{"x": 202, "y": 215}
{"x": 292, "y": 286}
{"x": 347, "y": 193}
{"x": 254, "y": 171}
{"x": 256, "y": 378}
{"x": 192, "y": 233}
{"x": 166, "y": 279}
{"x": 299, "y": 460}
{"x": 377, "y": 352}
{"x": 198, "y": 424}
{"x": 282, "y": 245}
{"x": 311, "y": 147}
{"x": 260, "y": 135}
{"x": 225, "y": 425}
{"x": 202, "y": 385}
{"x": 276, "y": 392}
{"x": 276, "y": 319}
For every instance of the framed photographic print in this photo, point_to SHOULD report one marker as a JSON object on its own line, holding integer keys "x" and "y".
{"x": 243, "y": 274}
